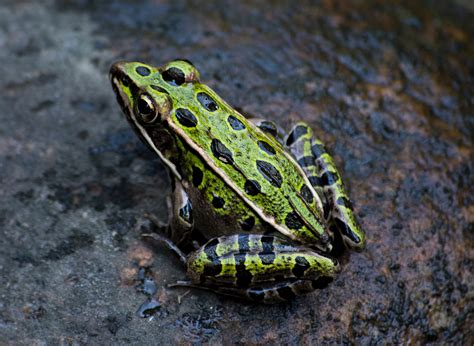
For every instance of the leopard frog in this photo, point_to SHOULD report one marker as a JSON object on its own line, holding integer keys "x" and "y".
{"x": 263, "y": 210}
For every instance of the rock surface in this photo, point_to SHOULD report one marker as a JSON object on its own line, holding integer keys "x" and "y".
{"x": 387, "y": 85}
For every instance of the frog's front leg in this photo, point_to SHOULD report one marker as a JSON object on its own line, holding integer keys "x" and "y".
{"x": 322, "y": 173}
{"x": 180, "y": 211}
{"x": 261, "y": 268}
{"x": 180, "y": 221}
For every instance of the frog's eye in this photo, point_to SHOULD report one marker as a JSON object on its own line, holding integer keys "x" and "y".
{"x": 146, "y": 109}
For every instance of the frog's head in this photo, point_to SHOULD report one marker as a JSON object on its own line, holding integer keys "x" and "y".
{"x": 143, "y": 91}
{"x": 146, "y": 95}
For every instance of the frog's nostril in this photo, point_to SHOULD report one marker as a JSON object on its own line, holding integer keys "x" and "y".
{"x": 117, "y": 73}
{"x": 117, "y": 69}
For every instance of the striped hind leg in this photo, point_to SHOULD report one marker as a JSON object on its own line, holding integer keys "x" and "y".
{"x": 261, "y": 268}
{"x": 321, "y": 170}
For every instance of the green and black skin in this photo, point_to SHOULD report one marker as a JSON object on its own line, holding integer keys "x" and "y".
{"x": 268, "y": 207}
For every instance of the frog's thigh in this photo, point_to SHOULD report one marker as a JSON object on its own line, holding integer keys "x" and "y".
{"x": 259, "y": 267}
{"x": 181, "y": 213}
{"x": 321, "y": 170}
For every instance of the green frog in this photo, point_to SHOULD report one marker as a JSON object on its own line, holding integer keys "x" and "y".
{"x": 268, "y": 207}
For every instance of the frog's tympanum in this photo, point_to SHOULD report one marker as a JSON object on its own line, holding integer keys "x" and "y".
{"x": 269, "y": 207}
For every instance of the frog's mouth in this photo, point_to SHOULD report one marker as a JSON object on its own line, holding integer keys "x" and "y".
{"x": 124, "y": 89}
{"x": 120, "y": 81}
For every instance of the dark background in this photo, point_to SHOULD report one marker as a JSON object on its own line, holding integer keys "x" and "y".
{"x": 388, "y": 85}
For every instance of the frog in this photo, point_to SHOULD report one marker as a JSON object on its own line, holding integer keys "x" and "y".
{"x": 261, "y": 208}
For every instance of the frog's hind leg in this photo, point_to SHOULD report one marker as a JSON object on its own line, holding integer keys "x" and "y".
{"x": 258, "y": 267}
{"x": 322, "y": 173}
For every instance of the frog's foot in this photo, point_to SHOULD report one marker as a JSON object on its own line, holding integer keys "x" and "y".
{"x": 268, "y": 293}
{"x": 258, "y": 267}
{"x": 180, "y": 224}
{"x": 162, "y": 226}
{"x": 277, "y": 292}
{"x": 322, "y": 173}
{"x": 169, "y": 244}
{"x": 183, "y": 283}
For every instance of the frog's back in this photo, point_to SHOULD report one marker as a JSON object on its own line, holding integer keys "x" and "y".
{"x": 217, "y": 209}
{"x": 253, "y": 165}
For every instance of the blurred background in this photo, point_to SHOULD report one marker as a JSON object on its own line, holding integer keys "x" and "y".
{"x": 387, "y": 85}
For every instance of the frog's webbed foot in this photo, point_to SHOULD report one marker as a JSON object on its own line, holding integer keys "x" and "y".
{"x": 162, "y": 226}
{"x": 276, "y": 292}
{"x": 169, "y": 244}
{"x": 268, "y": 293}
{"x": 322, "y": 173}
{"x": 257, "y": 267}
{"x": 183, "y": 283}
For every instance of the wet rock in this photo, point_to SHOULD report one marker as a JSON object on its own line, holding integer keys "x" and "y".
{"x": 386, "y": 85}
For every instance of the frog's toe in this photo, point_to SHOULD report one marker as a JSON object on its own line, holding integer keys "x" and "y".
{"x": 166, "y": 241}
{"x": 162, "y": 226}
{"x": 276, "y": 292}
{"x": 181, "y": 283}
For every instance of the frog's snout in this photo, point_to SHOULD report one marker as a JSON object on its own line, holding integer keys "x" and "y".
{"x": 117, "y": 70}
